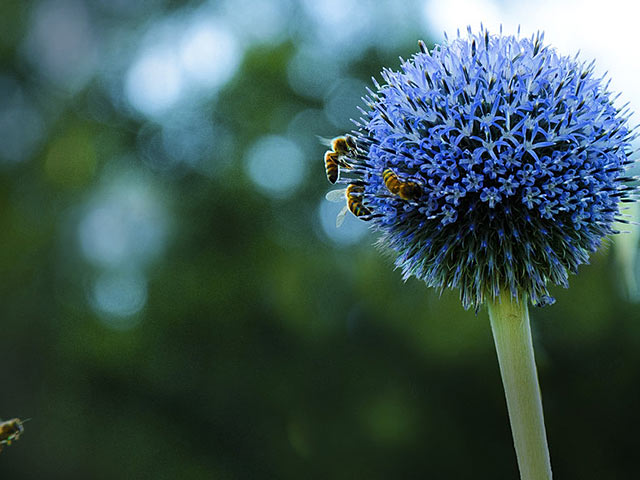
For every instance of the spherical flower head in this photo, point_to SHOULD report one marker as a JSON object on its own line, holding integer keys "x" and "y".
{"x": 492, "y": 163}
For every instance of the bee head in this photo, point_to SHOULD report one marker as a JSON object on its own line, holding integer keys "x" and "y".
{"x": 413, "y": 190}
{"x": 350, "y": 141}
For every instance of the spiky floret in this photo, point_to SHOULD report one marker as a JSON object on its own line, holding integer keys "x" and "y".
{"x": 519, "y": 153}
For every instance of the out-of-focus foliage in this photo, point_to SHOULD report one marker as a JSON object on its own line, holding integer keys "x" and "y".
{"x": 176, "y": 301}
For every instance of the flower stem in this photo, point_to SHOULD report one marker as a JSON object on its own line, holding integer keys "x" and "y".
{"x": 512, "y": 336}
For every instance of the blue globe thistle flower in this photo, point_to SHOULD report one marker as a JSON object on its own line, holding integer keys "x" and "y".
{"x": 491, "y": 163}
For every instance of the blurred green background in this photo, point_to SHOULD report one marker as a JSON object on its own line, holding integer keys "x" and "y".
{"x": 176, "y": 301}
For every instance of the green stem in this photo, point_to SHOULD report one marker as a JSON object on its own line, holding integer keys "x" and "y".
{"x": 512, "y": 335}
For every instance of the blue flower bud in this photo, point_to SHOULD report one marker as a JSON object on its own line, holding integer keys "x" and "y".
{"x": 518, "y": 154}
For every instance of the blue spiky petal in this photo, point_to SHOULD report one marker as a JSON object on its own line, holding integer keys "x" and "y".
{"x": 520, "y": 153}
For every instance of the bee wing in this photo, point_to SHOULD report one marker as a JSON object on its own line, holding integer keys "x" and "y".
{"x": 324, "y": 140}
{"x": 336, "y": 195}
{"x": 341, "y": 216}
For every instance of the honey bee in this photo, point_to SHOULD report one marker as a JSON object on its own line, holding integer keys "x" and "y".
{"x": 334, "y": 158}
{"x": 10, "y": 430}
{"x": 353, "y": 194}
{"x": 406, "y": 190}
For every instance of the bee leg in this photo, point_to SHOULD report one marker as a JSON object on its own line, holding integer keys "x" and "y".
{"x": 344, "y": 164}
